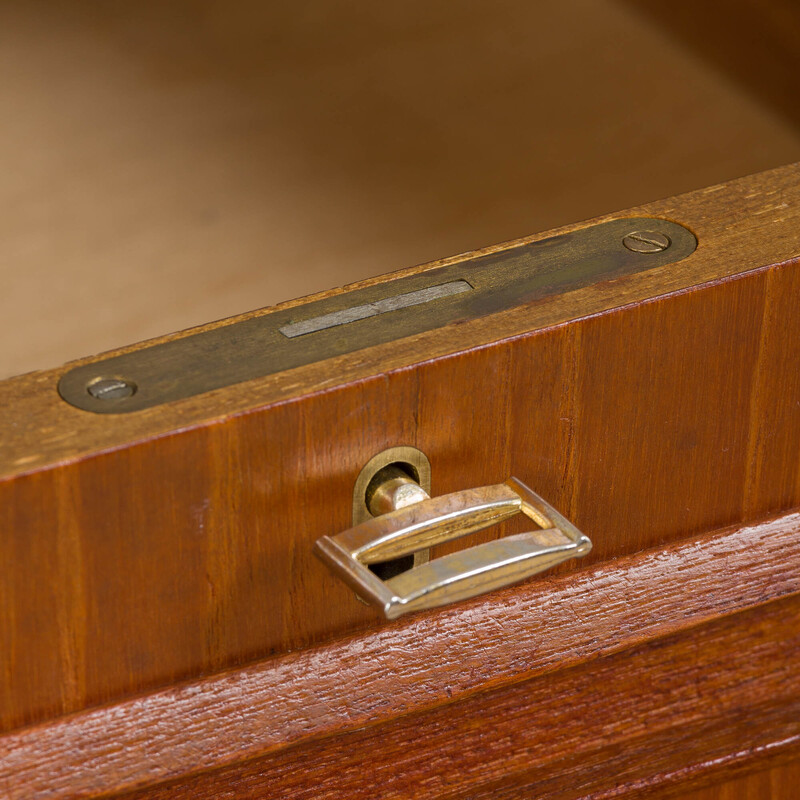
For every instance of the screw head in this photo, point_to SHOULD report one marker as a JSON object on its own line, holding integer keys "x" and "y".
{"x": 111, "y": 388}
{"x": 646, "y": 242}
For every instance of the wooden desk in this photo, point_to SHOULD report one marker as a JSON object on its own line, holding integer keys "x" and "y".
{"x": 165, "y": 629}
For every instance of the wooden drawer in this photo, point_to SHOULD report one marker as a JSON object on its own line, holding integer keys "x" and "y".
{"x": 167, "y": 166}
{"x": 165, "y": 628}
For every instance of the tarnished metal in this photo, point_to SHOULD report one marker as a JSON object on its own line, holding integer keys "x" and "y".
{"x": 646, "y": 242}
{"x": 392, "y": 303}
{"x": 111, "y": 389}
{"x": 456, "y": 576}
{"x": 351, "y": 321}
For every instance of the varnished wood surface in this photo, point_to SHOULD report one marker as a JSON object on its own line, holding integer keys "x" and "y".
{"x": 721, "y": 680}
{"x": 178, "y": 555}
{"x": 636, "y": 723}
{"x": 743, "y": 225}
{"x": 779, "y": 783}
{"x": 174, "y": 544}
{"x": 166, "y": 164}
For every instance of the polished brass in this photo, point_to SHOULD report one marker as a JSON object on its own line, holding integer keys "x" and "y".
{"x": 459, "y": 575}
{"x": 408, "y": 460}
{"x": 386, "y": 311}
{"x": 393, "y": 488}
{"x": 392, "y": 479}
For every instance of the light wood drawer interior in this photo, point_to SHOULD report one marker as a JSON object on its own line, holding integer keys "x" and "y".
{"x": 168, "y": 164}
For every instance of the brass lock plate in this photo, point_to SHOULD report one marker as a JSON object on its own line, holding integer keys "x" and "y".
{"x": 362, "y": 318}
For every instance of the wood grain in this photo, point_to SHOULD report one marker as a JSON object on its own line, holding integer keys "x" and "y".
{"x": 168, "y": 164}
{"x": 428, "y": 663}
{"x": 139, "y": 553}
{"x": 778, "y": 783}
{"x": 177, "y": 542}
{"x": 658, "y": 719}
{"x": 744, "y": 225}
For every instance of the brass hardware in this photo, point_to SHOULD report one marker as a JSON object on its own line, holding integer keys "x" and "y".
{"x": 460, "y": 575}
{"x": 394, "y": 478}
{"x": 350, "y": 321}
{"x": 646, "y": 242}
{"x": 415, "y": 463}
{"x": 355, "y": 313}
{"x": 107, "y": 389}
{"x": 393, "y": 488}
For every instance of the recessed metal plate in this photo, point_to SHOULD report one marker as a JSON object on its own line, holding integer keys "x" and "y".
{"x": 362, "y": 318}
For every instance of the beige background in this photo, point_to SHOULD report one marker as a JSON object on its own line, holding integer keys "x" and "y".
{"x": 166, "y": 164}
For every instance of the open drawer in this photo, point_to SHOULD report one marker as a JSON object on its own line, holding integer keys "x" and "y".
{"x": 169, "y": 164}
{"x": 166, "y": 629}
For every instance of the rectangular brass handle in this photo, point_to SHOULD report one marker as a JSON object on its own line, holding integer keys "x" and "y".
{"x": 457, "y": 576}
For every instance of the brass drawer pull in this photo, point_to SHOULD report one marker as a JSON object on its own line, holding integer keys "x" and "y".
{"x": 459, "y": 575}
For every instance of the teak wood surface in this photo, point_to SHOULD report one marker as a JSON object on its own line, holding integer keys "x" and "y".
{"x": 169, "y": 544}
{"x": 645, "y": 409}
{"x": 661, "y": 670}
{"x": 777, "y": 782}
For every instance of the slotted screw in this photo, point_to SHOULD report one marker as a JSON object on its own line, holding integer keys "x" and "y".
{"x": 646, "y": 242}
{"x": 111, "y": 388}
